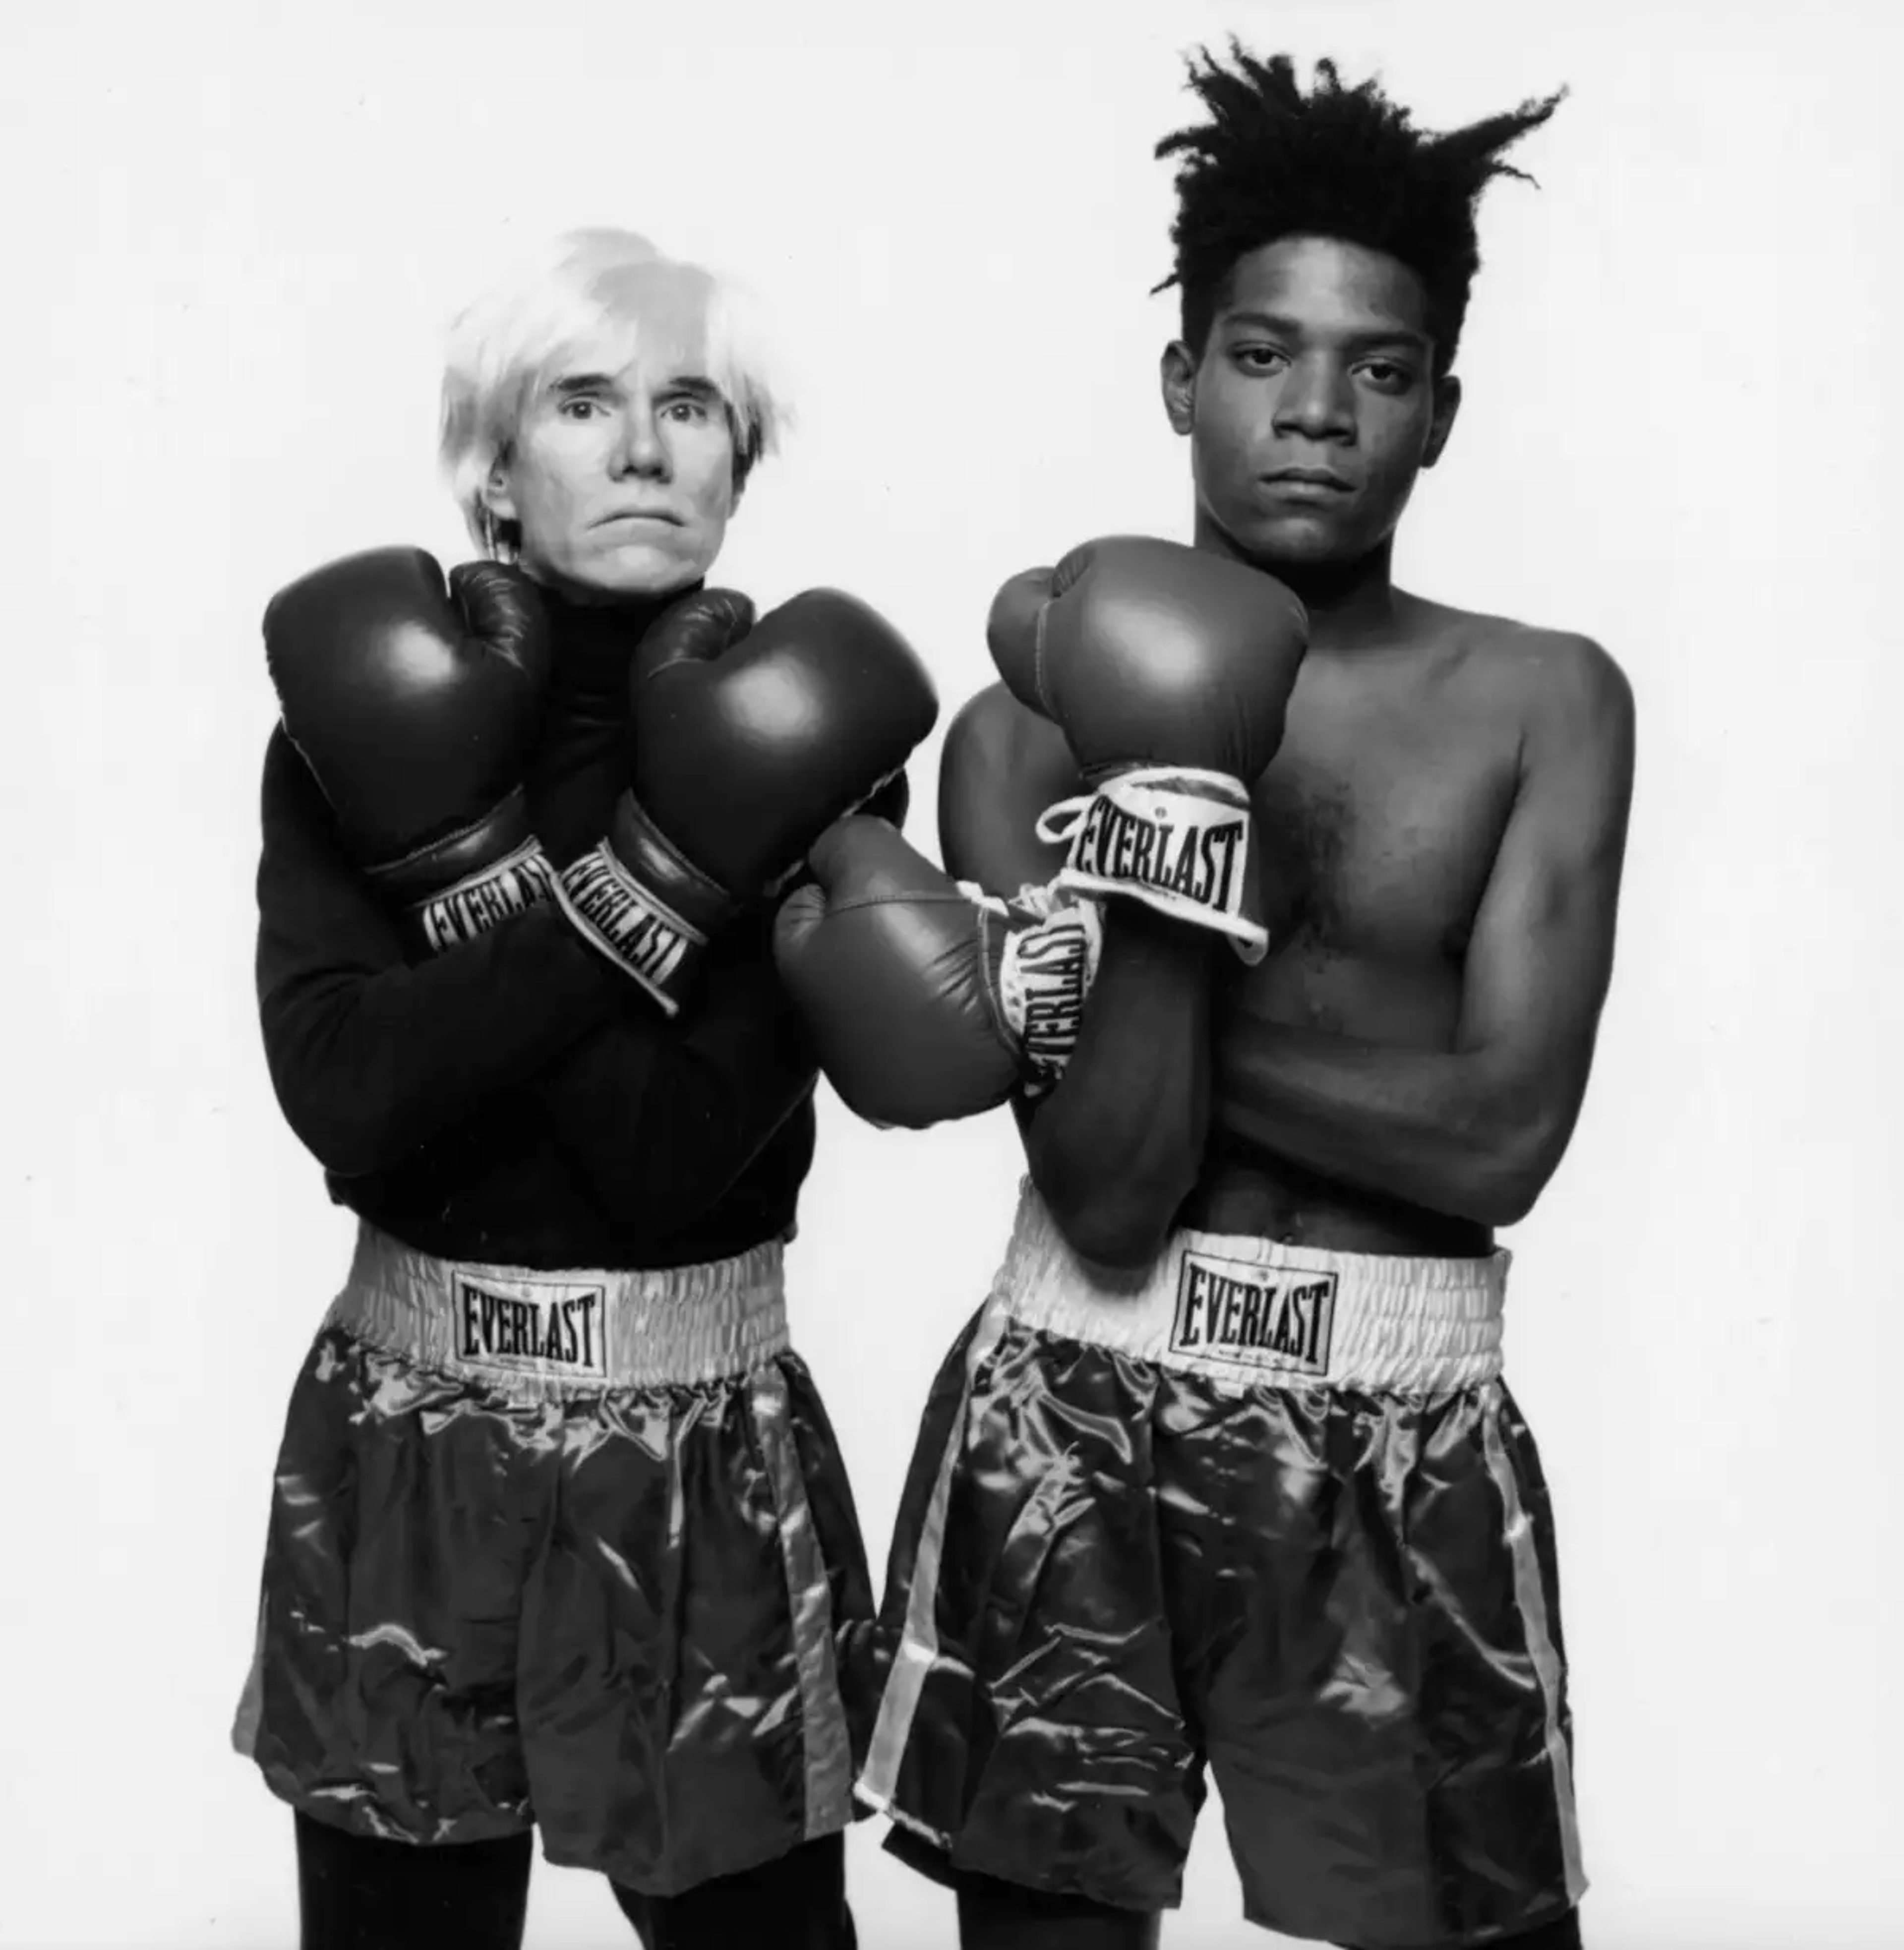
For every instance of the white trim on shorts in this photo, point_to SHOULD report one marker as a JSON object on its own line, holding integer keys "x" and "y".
{"x": 918, "y": 1651}
{"x": 1256, "y": 1312}
{"x": 543, "y": 1335}
{"x": 1530, "y": 1598}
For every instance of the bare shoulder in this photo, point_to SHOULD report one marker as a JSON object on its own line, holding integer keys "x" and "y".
{"x": 1563, "y": 684}
{"x": 1579, "y": 701}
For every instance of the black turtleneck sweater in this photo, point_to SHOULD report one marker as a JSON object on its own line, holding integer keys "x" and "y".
{"x": 519, "y": 1100}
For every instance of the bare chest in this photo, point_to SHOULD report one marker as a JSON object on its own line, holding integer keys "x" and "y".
{"x": 1380, "y": 819}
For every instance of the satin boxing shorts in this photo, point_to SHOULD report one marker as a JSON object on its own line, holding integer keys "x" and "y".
{"x": 574, "y": 1551}
{"x": 1263, "y": 1510}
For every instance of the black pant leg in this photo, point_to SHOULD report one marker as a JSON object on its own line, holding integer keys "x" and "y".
{"x": 796, "y": 1903}
{"x": 355, "y": 1892}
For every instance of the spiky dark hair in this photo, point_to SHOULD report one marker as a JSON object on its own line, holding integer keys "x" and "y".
{"x": 1345, "y": 163}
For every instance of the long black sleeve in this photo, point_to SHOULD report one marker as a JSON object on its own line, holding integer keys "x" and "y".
{"x": 370, "y": 1056}
{"x": 517, "y": 1099}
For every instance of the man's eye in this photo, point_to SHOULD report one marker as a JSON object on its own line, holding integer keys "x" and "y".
{"x": 1387, "y": 374}
{"x": 580, "y": 409}
{"x": 1257, "y": 358}
{"x": 688, "y": 409}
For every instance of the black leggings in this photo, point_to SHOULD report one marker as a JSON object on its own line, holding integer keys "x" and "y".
{"x": 356, "y": 1893}
{"x": 1000, "y": 1916}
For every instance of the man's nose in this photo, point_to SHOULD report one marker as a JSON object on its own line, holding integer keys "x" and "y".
{"x": 640, "y": 448}
{"x": 1316, "y": 401}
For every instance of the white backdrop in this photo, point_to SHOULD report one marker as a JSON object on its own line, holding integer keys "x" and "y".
{"x": 234, "y": 233}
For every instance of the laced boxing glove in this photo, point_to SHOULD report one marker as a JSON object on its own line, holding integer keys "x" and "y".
{"x": 748, "y": 741}
{"x": 929, "y": 1000}
{"x": 1169, "y": 670}
{"x": 414, "y": 705}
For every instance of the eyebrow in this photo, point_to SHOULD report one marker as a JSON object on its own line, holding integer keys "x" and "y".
{"x": 1288, "y": 328}
{"x": 691, "y": 384}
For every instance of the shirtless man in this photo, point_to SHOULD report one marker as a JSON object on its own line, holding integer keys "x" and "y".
{"x": 1224, "y": 1473}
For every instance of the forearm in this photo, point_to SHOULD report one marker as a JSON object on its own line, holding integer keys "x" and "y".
{"x": 1455, "y": 1133}
{"x": 1476, "y": 1131}
{"x": 370, "y": 1054}
{"x": 1117, "y": 1147}
{"x": 369, "y": 1064}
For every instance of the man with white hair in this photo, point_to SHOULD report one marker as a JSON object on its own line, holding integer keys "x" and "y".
{"x": 560, "y": 1537}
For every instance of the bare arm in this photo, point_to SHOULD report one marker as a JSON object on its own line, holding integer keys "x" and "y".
{"x": 1476, "y": 1132}
{"x": 1115, "y": 1149}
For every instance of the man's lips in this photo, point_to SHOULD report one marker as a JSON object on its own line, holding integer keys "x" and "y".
{"x": 1321, "y": 478}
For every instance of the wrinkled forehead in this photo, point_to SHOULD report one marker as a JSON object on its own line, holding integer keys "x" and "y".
{"x": 647, "y": 326}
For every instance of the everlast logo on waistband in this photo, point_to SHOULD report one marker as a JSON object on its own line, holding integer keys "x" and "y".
{"x": 649, "y": 941}
{"x": 476, "y": 906}
{"x": 511, "y": 1330}
{"x": 1257, "y": 1316}
{"x": 1199, "y": 861}
{"x": 1052, "y": 963}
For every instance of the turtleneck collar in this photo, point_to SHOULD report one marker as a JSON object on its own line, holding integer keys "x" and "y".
{"x": 594, "y": 642}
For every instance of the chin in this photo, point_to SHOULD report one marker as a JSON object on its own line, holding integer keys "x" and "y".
{"x": 639, "y": 570}
{"x": 1294, "y": 542}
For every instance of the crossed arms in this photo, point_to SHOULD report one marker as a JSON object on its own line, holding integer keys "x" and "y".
{"x": 1474, "y": 1131}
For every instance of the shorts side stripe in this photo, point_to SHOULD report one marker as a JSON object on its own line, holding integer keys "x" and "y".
{"x": 1530, "y": 1598}
{"x": 248, "y": 1721}
{"x": 823, "y": 1715}
{"x": 918, "y": 1647}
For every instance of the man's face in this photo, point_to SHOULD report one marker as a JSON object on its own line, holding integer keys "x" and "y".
{"x": 1313, "y": 405}
{"x": 621, "y": 476}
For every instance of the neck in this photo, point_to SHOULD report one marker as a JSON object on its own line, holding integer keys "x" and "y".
{"x": 582, "y": 596}
{"x": 1349, "y": 603}
{"x": 595, "y": 634}
{"x": 604, "y": 606}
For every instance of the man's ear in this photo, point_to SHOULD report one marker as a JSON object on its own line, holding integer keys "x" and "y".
{"x": 1178, "y": 372}
{"x": 498, "y": 496}
{"x": 1448, "y": 404}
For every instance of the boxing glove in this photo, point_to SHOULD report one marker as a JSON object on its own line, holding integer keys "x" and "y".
{"x": 414, "y": 705}
{"x": 748, "y": 741}
{"x": 927, "y": 1000}
{"x": 1169, "y": 670}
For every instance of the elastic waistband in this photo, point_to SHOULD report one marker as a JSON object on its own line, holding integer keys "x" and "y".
{"x": 1255, "y": 1313}
{"x": 568, "y": 1332}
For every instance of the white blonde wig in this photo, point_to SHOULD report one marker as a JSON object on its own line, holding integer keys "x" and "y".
{"x": 502, "y": 348}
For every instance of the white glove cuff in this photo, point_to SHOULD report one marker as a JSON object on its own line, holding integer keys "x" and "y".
{"x": 478, "y": 902}
{"x": 1045, "y": 976}
{"x": 620, "y": 918}
{"x": 1175, "y": 837}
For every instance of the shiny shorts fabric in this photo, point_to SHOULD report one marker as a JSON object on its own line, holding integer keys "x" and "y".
{"x": 574, "y": 1551}
{"x": 1264, "y": 1510}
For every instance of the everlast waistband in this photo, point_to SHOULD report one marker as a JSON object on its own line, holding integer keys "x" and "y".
{"x": 1255, "y": 1312}
{"x": 568, "y": 1332}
